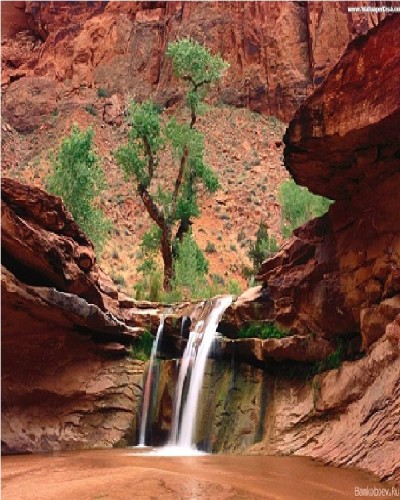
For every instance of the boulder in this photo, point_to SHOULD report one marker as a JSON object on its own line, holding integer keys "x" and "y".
{"x": 28, "y": 101}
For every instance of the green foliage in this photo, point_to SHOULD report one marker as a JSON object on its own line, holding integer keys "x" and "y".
{"x": 190, "y": 277}
{"x": 196, "y": 65}
{"x": 102, "y": 92}
{"x": 172, "y": 209}
{"x": 234, "y": 288}
{"x": 141, "y": 348}
{"x": 144, "y": 142}
{"x": 190, "y": 268}
{"x": 265, "y": 246}
{"x": 118, "y": 279}
{"x": 91, "y": 109}
{"x": 299, "y": 206}
{"x": 151, "y": 240}
{"x": 79, "y": 179}
{"x": 261, "y": 331}
{"x": 333, "y": 361}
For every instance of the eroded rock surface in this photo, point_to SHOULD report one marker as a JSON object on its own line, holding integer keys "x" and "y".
{"x": 347, "y": 417}
{"x": 279, "y": 52}
{"x": 67, "y": 379}
{"x": 339, "y": 274}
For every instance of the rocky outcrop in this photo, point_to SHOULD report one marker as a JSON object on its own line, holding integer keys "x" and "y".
{"x": 67, "y": 381}
{"x": 28, "y": 101}
{"x": 339, "y": 274}
{"x": 42, "y": 245}
{"x": 67, "y": 378}
{"x": 345, "y": 417}
{"x": 279, "y": 52}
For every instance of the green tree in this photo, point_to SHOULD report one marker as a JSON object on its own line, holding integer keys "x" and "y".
{"x": 299, "y": 205}
{"x": 264, "y": 246}
{"x": 78, "y": 178}
{"x": 172, "y": 210}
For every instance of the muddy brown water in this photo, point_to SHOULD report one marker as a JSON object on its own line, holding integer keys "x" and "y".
{"x": 117, "y": 474}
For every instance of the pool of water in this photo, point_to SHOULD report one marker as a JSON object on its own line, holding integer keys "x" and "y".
{"x": 147, "y": 474}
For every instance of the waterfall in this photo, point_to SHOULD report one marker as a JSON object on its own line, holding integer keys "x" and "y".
{"x": 148, "y": 384}
{"x": 191, "y": 373}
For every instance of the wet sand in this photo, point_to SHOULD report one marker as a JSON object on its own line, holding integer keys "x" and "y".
{"x": 117, "y": 474}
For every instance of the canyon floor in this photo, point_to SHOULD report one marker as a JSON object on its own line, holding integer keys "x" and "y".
{"x": 117, "y": 474}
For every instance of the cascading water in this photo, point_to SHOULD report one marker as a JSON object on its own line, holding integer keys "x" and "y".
{"x": 148, "y": 384}
{"x": 191, "y": 373}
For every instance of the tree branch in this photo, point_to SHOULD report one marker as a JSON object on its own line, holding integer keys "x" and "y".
{"x": 179, "y": 179}
{"x": 147, "y": 150}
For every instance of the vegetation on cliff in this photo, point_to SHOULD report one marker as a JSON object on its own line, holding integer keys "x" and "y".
{"x": 261, "y": 330}
{"x": 79, "y": 179}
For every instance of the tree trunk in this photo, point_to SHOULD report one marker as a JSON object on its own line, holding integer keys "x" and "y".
{"x": 184, "y": 227}
{"x": 166, "y": 252}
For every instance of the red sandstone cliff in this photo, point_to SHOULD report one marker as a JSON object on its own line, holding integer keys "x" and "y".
{"x": 279, "y": 52}
{"x": 339, "y": 275}
{"x": 67, "y": 381}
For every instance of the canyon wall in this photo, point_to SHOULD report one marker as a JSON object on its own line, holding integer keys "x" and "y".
{"x": 68, "y": 380}
{"x": 338, "y": 276}
{"x": 279, "y": 52}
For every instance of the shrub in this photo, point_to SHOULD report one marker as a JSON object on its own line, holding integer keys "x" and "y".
{"x": 261, "y": 331}
{"x": 79, "y": 179}
{"x": 190, "y": 268}
{"x": 91, "y": 109}
{"x": 241, "y": 236}
{"x": 141, "y": 348}
{"x": 102, "y": 92}
{"x": 299, "y": 206}
{"x": 118, "y": 279}
{"x": 264, "y": 246}
{"x": 150, "y": 286}
{"x": 234, "y": 287}
{"x": 333, "y": 361}
{"x": 210, "y": 247}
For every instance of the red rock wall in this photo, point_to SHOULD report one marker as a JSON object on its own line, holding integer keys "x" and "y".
{"x": 278, "y": 51}
{"x": 346, "y": 417}
{"x": 340, "y": 274}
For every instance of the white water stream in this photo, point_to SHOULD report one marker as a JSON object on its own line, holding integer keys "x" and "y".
{"x": 191, "y": 375}
{"x": 148, "y": 385}
{"x": 190, "y": 381}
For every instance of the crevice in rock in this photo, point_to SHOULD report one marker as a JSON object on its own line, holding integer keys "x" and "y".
{"x": 24, "y": 273}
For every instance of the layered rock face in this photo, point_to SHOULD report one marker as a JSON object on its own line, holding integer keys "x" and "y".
{"x": 339, "y": 274}
{"x": 278, "y": 52}
{"x": 346, "y": 417}
{"x": 231, "y": 411}
{"x": 67, "y": 381}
